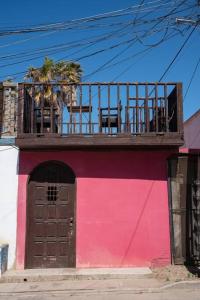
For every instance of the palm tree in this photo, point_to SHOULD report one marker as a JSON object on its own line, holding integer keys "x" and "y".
{"x": 66, "y": 74}
{"x": 63, "y": 73}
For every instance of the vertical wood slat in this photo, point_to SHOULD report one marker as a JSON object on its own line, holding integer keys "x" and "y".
{"x": 183, "y": 170}
{"x": 70, "y": 113}
{"x": 163, "y": 111}
{"x": 52, "y": 117}
{"x": 99, "y": 108}
{"x": 146, "y": 108}
{"x": 141, "y": 120}
{"x": 118, "y": 109}
{"x": 166, "y": 109}
{"x": 60, "y": 110}
{"x": 27, "y": 110}
{"x": 137, "y": 110}
{"x": 179, "y": 107}
{"x": 193, "y": 210}
{"x": 32, "y": 108}
{"x": 156, "y": 106}
{"x": 127, "y": 108}
{"x": 90, "y": 109}
{"x": 80, "y": 114}
{"x": 42, "y": 111}
{"x": 152, "y": 115}
{"x": 133, "y": 117}
{"x": 109, "y": 128}
{"x": 178, "y": 191}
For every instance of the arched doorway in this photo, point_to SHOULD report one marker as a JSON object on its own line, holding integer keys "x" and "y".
{"x": 50, "y": 234}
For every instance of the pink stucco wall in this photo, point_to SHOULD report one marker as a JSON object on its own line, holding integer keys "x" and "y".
{"x": 122, "y": 206}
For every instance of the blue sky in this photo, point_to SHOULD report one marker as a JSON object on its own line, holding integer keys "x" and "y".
{"x": 145, "y": 67}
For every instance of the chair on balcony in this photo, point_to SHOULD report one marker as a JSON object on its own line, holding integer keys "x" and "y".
{"x": 110, "y": 117}
{"x": 45, "y": 119}
{"x": 158, "y": 124}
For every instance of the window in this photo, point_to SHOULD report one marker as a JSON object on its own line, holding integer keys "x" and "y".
{"x": 52, "y": 193}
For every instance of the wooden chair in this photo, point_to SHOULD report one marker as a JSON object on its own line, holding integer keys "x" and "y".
{"x": 46, "y": 120}
{"x": 110, "y": 117}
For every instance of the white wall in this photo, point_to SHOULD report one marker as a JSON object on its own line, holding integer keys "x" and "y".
{"x": 8, "y": 199}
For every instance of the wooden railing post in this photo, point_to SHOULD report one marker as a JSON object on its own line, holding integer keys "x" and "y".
{"x": 166, "y": 109}
{"x": 33, "y": 109}
{"x": 127, "y": 109}
{"x": 20, "y": 110}
{"x": 90, "y": 110}
{"x": 179, "y": 107}
{"x": 146, "y": 109}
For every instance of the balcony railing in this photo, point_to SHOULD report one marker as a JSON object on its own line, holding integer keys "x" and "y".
{"x": 99, "y": 109}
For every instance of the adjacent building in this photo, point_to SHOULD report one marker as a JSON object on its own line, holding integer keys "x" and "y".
{"x": 8, "y": 168}
{"x": 184, "y": 196}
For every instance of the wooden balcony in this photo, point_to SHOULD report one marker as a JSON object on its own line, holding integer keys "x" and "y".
{"x": 100, "y": 115}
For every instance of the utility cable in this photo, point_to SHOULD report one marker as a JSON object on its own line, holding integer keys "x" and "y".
{"x": 117, "y": 13}
{"x": 177, "y": 54}
{"x": 192, "y": 77}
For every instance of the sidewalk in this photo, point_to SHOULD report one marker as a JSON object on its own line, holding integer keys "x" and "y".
{"x": 32, "y": 275}
{"x": 76, "y": 280}
{"x": 81, "y": 286}
{"x": 92, "y": 287}
{"x": 85, "y": 281}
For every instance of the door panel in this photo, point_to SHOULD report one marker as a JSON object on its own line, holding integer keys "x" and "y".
{"x": 50, "y": 223}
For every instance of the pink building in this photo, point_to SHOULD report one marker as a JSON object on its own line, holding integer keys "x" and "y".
{"x": 93, "y": 176}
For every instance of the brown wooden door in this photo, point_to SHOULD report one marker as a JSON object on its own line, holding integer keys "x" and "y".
{"x": 51, "y": 218}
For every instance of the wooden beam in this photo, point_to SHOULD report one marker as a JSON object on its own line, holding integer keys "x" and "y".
{"x": 120, "y": 140}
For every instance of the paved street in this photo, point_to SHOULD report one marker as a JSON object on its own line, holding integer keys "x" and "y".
{"x": 99, "y": 290}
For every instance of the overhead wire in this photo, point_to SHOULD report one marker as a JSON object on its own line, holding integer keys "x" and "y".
{"x": 135, "y": 54}
{"x": 29, "y": 54}
{"x": 87, "y": 55}
{"x": 72, "y": 44}
{"x": 191, "y": 79}
{"x": 177, "y": 54}
{"x": 40, "y": 56}
{"x": 102, "y": 66}
{"x": 118, "y": 54}
{"x": 111, "y": 14}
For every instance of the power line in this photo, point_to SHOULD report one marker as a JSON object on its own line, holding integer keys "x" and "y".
{"x": 56, "y": 51}
{"x": 130, "y": 23}
{"x": 192, "y": 77}
{"x": 136, "y": 54}
{"x": 104, "y": 49}
{"x": 177, "y": 54}
{"x": 158, "y": 43}
{"x": 71, "y": 23}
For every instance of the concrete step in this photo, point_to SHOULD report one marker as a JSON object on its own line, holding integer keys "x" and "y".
{"x": 37, "y": 275}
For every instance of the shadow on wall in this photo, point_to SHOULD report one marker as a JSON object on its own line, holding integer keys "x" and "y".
{"x": 139, "y": 220}
{"x": 147, "y": 165}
